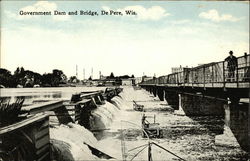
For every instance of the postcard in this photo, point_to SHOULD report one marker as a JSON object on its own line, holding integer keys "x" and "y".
{"x": 124, "y": 80}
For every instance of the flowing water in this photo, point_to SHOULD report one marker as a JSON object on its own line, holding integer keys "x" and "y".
{"x": 191, "y": 138}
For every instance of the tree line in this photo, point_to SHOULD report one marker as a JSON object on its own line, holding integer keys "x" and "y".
{"x": 112, "y": 76}
{"x": 27, "y": 78}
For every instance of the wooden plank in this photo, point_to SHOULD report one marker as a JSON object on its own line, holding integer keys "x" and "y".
{"x": 42, "y": 141}
{"x": 44, "y": 157}
{"x": 42, "y": 149}
{"x": 23, "y": 123}
{"x": 41, "y": 107}
{"x": 85, "y": 92}
{"x": 41, "y": 133}
{"x": 90, "y": 94}
{"x": 77, "y": 118}
{"x": 79, "y": 102}
{"x": 45, "y": 124}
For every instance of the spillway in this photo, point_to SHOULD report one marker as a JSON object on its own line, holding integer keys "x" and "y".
{"x": 116, "y": 128}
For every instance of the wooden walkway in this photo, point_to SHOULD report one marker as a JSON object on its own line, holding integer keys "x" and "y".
{"x": 211, "y": 75}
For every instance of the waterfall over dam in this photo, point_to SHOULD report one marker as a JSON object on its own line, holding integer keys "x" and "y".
{"x": 192, "y": 138}
{"x": 99, "y": 126}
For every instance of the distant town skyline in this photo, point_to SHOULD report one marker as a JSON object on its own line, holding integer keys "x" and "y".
{"x": 160, "y": 36}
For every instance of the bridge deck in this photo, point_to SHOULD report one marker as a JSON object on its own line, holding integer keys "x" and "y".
{"x": 209, "y": 85}
{"x": 213, "y": 75}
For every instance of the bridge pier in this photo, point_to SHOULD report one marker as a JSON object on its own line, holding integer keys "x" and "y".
{"x": 154, "y": 90}
{"x": 160, "y": 93}
{"x": 236, "y": 117}
{"x": 199, "y": 105}
{"x": 172, "y": 98}
{"x": 150, "y": 90}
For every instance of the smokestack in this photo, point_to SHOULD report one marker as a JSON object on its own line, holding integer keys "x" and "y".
{"x": 83, "y": 74}
{"x": 92, "y": 72}
{"x": 76, "y": 72}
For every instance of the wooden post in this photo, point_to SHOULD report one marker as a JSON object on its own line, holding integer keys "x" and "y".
{"x": 29, "y": 137}
{"x": 223, "y": 74}
{"x": 212, "y": 79}
{"x": 149, "y": 152}
{"x": 237, "y": 76}
{"x": 204, "y": 77}
{"x": 192, "y": 78}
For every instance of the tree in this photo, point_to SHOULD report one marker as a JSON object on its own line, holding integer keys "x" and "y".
{"x": 19, "y": 76}
{"x": 73, "y": 79}
{"x": 17, "y": 71}
{"x": 124, "y": 77}
{"x": 6, "y": 79}
{"x": 46, "y": 79}
{"x": 31, "y": 78}
{"x": 132, "y": 76}
{"x": 111, "y": 75}
{"x": 60, "y": 75}
{"x": 26, "y": 78}
{"x": 57, "y": 77}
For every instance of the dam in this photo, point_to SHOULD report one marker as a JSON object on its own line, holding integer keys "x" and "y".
{"x": 112, "y": 130}
{"x": 199, "y": 113}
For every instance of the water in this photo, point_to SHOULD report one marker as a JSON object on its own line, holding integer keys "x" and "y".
{"x": 191, "y": 138}
{"x": 45, "y": 94}
{"x": 68, "y": 143}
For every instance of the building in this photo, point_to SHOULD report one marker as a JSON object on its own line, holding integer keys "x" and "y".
{"x": 145, "y": 78}
{"x": 128, "y": 82}
{"x": 138, "y": 80}
{"x": 178, "y": 69}
{"x": 102, "y": 77}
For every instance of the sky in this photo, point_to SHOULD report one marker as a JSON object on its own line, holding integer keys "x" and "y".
{"x": 162, "y": 35}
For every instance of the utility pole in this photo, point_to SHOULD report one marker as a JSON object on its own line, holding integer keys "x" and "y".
{"x": 83, "y": 74}
{"x": 92, "y": 72}
{"x": 76, "y": 72}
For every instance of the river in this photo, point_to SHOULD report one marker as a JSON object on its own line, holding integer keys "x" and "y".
{"x": 45, "y": 93}
{"x": 190, "y": 138}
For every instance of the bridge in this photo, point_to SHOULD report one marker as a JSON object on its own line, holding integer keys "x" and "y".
{"x": 212, "y": 89}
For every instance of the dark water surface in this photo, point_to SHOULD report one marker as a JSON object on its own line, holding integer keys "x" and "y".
{"x": 48, "y": 93}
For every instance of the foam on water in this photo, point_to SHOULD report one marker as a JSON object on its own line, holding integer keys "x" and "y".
{"x": 103, "y": 116}
{"x": 69, "y": 142}
{"x": 192, "y": 138}
{"x": 189, "y": 137}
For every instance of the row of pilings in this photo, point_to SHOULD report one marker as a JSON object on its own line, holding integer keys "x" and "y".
{"x": 170, "y": 96}
{"x": 235, "y": 113}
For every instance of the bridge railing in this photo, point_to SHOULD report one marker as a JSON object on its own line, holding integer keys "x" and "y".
{"x": 212, "y": 73}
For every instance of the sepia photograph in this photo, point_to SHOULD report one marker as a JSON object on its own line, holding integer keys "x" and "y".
{"x": 124, "y": 80}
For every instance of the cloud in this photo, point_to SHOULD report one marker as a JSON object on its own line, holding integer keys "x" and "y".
{"x": 180, "y": 22}
{"x": 40, "y": 6}
{"x": 214, "y": 15}
{"x": 152, "y": 13}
